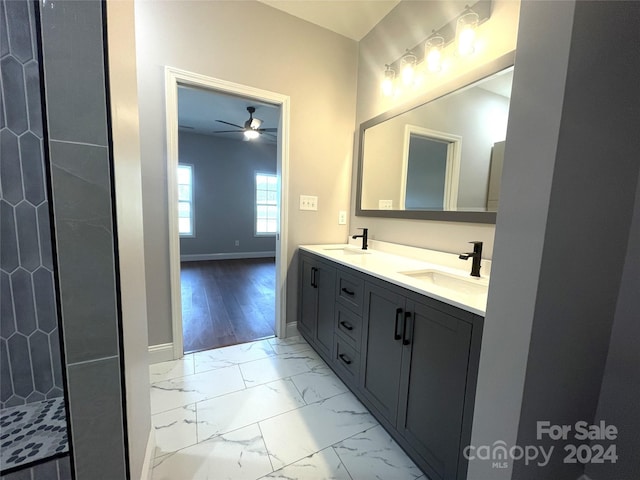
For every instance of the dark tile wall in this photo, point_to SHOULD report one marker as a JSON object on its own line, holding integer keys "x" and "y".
{"x": 73, "y": 56}
{"x": 80, "y": 166}
{"x": 30, "y": 366}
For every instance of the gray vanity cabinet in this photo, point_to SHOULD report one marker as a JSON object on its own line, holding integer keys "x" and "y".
{"x": 415, "y": 369}
{"x": 433, "y": 380}
{"x": 382, "y": 349}
{"x": 411, "y": 359}
{"x": 317, "y": 300}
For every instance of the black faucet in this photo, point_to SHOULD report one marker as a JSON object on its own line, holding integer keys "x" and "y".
{"x": 365, "y": 232}
{"x": 476, "y": 255}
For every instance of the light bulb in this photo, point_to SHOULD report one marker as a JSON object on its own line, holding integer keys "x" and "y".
{"x": 433, "y": 49}
{"x": 466, "y": 32}
{"x": 387, "y": 81}
{"x": 251, "y": 134}
{"x": 407, "y": 66}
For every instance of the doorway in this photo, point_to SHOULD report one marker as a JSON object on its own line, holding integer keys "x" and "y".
{"x": 175, "y": 80}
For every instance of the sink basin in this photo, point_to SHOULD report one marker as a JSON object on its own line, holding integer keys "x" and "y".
{"x": 347, "y": 250}
{"x": 464, "y": 285}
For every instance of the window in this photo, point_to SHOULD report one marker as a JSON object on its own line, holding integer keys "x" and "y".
{"x": 266, "y": 204}
{"x": 185, "y": 200}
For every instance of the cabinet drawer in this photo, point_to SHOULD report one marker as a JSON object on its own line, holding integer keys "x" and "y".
{"x": 350, "y": 291}
{"x": 346, "y": 360}
{"x": 349, "y": 325}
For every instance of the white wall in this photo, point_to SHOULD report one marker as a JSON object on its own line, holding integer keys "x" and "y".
{"x": 404, "y": 27}
{"x": 126, "y": 157}
{"x": 251, "y": 44}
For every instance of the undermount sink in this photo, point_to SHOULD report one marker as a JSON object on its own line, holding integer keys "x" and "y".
{"x": 465, "y": 285}
{"x": 347, "y": 250}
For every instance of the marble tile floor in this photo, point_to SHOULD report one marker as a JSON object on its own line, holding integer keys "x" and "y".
{"x": 270, "y": 409}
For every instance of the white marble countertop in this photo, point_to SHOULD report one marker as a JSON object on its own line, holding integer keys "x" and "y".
{"x": 387, "y": 262}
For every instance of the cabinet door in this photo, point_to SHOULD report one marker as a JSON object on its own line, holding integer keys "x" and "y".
{"x": 382, "y": 349}
{"x": 434, "y": 376}
{"x": 308, "y": 297}
{"x": 325, "y": 279}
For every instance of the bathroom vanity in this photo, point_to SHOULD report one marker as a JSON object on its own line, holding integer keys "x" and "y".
{"x": 402, "y": 328}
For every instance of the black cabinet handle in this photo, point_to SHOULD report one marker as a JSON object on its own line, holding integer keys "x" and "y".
{"x": 396, "y": 335}
{"x": 405, "y": 340}
{"x": 313, "y": 277}
{"x": 348, "y": 292}
{"x": 346, "y": 325}
{"x": 345, "y": 359}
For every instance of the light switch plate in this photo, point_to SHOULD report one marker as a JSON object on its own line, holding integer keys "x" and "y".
{"x": 308, "y": 202}
{"x": 342, "y": 217}
{"x": 385, "y": 204}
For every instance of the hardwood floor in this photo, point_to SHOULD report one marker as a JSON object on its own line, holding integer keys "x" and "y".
{"x": 226, "y": 302}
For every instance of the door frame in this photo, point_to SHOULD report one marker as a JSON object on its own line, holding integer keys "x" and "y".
{"x": 452, "y": 172}
{"x": 173, "y": 78}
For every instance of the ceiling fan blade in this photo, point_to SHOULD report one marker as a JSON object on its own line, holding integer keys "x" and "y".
{"x": 227, "y": 131}
{"x": 232, "y": 124}
{"x": 267, "y": 129}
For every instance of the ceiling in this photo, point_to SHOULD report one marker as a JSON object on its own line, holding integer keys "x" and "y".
{"x": 198, "y": 109}
{"x": 351, "y": 18}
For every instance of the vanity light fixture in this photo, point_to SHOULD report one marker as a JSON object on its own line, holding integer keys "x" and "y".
{"x": 460, "y": 31}
{"x": 433, "y": 52}
{"x": 408, "y": 67}
{"x": 466, "y": 31}
{"x": 387, "y": 80}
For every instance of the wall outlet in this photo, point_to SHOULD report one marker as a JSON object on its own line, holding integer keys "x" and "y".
{"x": 385, "y": 204}
{"x": 308, "y": 202}
{"x": 237, "y": 242}
{"x": 342, "y": 217}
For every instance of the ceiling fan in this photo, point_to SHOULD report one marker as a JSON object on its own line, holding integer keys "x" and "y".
{"x": 251, "y": 128}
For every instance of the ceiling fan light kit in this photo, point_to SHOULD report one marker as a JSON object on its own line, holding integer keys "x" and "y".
{"x": 251, "y": 128}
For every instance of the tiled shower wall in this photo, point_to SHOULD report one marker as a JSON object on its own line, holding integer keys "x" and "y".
{"x": 79, "y": 151}
{"x": 29, "y": 343}
{"x": 79, "y": 154}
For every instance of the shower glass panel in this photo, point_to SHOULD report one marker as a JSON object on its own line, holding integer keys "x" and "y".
{"x": 33, "y": 424}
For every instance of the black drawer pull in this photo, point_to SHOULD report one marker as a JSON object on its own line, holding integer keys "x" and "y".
{"x": 348, "y": 292}
{"x": 313, "y": 277}
{"x": 405, "y": 340}
{"x": 346, "y": 325}
{"x": 345, "y": 359}
{"x": 396, "y": 335}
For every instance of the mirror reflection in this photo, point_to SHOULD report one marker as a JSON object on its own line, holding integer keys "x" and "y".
{"x": 445, "y": 155}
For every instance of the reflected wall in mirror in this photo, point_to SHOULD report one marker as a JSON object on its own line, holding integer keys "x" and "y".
{"x": 441, "y": 159}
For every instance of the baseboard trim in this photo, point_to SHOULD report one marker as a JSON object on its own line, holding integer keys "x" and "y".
{"x": 147, "y": 467}
{"x": 162, "y": 352}
{"x": 292, "y": 330}
{"x": 225, "y": 256}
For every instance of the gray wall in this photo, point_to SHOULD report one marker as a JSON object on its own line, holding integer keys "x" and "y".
{"x": 562, "y": 230}
{"x": 620, "y": 392}
{"x": 29, "y": 337}
{"x": 224, "y": 193}
{"x": 316, "y": 68}
{"x": 587, "y": 230}
{"x": 82, "y": 202}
